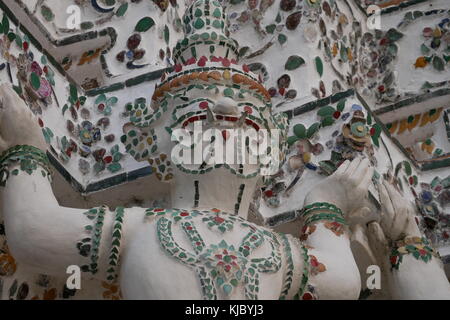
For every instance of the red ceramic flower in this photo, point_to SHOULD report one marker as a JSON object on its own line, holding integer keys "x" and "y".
{"x": 394, "y": 260}
{"x": 219, "y": 220}
{"x": 337, "y": 114}
{"x": 269, "y": 193}
{"x": 307, "y": 296}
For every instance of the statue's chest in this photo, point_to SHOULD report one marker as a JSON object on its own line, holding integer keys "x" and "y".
{"x": 226, "y": 251}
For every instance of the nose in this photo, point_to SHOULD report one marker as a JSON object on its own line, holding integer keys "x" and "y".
{"x": 226, "y": 106}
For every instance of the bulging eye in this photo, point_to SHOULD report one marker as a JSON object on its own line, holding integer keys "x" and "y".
{"x": 203, "y": 105}
{"x": 248, "y": 109}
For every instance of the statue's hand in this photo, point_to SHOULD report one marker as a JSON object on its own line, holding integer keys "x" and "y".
{"x": 347, "y": 188}
{"x": 397, "y": 218}
{"x": 18, "y": 125}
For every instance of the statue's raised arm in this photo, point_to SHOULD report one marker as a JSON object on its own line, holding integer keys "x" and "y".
{"x": 412, "y": 265}
{"x": 326, "y": 220}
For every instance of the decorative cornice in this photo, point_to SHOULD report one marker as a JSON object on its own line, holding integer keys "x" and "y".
{"x": 150, "y": 76}
{"x": 394, "y": 8}
{"x": 102, "y": 184}
{"x": 413, "y": 100}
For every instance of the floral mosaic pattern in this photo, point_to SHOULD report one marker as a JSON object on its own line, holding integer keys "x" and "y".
{"x": 133, "y": 53}
{"x": 417, "y": 247}
{"x": 89, "y": 126}
{"x": 432, "y": 201}
{"x": 378, "y": 53}
{"x": 36, "y": 78}
{"x": 436, "y": 48}
{"x": 222, "y": 266}
{"x": 226, "y": 266}
{"x": 89, "y": 247}
{"x": 359, "y": 134}
{"x": 30, "y": 159}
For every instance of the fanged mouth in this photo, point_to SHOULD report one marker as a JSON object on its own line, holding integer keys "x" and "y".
{"x": 222, "y": 118}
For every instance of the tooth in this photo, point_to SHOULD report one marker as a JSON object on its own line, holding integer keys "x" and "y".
{"x": 210, "y": 116}
{"x": 241, "y": 120}
{"x": 203, "y": 165}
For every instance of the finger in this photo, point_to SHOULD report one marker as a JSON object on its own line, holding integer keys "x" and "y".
{"x": 367, "y": 178}
{"x": 376, "y": 233}
{"x": 386, "y": 202}
{"x": 395, "y": 196}
{"x": 357, "y": 232}
{"x": 405, "y": 221}
{"x": 361, "y": 213}
{"x": 361, "y": 170}
{"x": 399, "y": 223}
{"x": 342, "y": 167}
{"x": 412, "y": 207}
{"x": 353, "y": 165}
{"x": 377, "y": 238}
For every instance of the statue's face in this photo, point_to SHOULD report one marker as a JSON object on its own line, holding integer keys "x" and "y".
{"x": 213, "y": 131}
{"x": 201, "y": 123}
